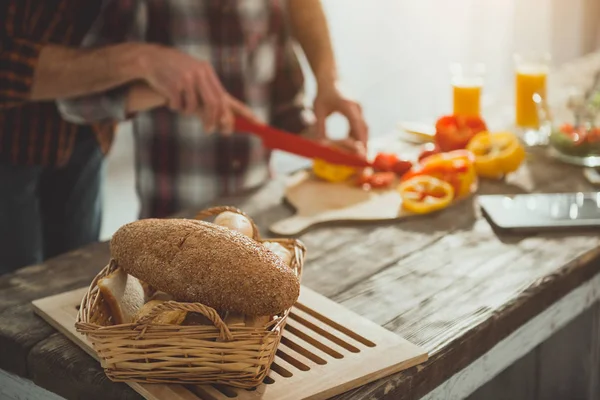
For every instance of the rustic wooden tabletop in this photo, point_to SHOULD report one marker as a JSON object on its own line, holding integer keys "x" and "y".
{"x": 447, "y": 282}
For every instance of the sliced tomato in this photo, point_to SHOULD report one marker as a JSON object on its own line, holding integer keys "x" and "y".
{"x": 428, "y": 150}
{"x": 364, "y": 178}
{"x": 385, "y": 162}
{"x": 402, "y": 167}
{"x": 375, "y": 180}
{"x": 381, "y": 180}
{"x": 453, "y": 132}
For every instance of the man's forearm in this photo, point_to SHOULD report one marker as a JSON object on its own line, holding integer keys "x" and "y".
{"x": 309, "y": 26}
{"x": 113, "y": 106}
{"x": 63, "y": 72}
{"x": 142, "y": 97}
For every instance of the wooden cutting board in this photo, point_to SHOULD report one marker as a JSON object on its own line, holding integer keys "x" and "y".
{"x": 317, "y": 202}
{"x": 325, "y": 350}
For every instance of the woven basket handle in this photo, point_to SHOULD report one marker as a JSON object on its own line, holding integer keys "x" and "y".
{"x": 210, "y": 313}
{"x": 213, "y": 211}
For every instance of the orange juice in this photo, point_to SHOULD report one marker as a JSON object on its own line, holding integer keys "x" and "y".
{"x": 529, "y": 81}
{"x": 466, "y": 99}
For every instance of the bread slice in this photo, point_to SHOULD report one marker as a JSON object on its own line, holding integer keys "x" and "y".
{"x": 174, "y": 317}
{"x": 124, "y": 295}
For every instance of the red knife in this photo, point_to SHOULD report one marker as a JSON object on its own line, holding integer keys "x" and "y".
{"x": 295, "y": 144}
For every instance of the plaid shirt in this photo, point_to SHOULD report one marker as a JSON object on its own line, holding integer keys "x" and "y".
{"x": 34, "y": 133}
{"x": 247, "y": 41}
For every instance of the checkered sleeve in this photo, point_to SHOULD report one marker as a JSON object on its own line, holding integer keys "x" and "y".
{"x": 18, "y": 52}
{"x": 119, "y": 21}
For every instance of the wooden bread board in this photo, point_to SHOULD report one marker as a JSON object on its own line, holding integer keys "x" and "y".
{"x": 325, "y": 350}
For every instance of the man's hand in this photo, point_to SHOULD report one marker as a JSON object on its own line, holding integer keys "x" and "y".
{"x": 192, "y": 86}
{"x": 330, "y": 99}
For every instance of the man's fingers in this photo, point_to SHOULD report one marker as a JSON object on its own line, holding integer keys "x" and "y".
{"x": 190, "y": 100}
{"x": 210, "y": 102}
{"x": 239, "y": 108}
{"x": 358, "y": 127}
{"x": 220, "y": 96}
{"x": 227, "y": 122}
{"x": 175, "y": 101}
{"x": 320, "y": 120}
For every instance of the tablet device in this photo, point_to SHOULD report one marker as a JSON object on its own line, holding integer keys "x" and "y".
{"x": 543, "y": 212}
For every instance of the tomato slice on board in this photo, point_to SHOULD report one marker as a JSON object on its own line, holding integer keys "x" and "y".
{"x": 364, "y": 178}
{"x": 429, "y": 149}
{"x": 402, "y": 167}
{"x": 453, "y": 132}
{"x": 425, "y": 194}
{"x": 375, "y": 180}
{"x": 385, "y": 162}
{"x": 381, "y": 180}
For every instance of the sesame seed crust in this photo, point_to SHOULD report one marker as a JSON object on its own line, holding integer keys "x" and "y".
{"x": 197, "y": 261}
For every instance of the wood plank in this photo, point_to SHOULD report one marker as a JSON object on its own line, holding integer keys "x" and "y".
{"x": 594, "y": 388}
{"x": 80, "y": 377}
{"x": 13, "y": 387}
{"x": 25, "y": 329}
{"x": 517, "y": 382}
{"x": 568, "y": 361}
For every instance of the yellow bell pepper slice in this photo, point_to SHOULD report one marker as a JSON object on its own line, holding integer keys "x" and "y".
{"x": 496, "y": 154}
{"x": 332, "y": 172}
{"x": 425, "y": 194}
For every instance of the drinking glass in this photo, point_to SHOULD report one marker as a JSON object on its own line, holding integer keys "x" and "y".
{"x": 467, "y": 85}
{"x": 531, "y": 75}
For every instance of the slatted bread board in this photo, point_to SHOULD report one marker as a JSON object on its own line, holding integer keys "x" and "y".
{"x": 325, "y": 350}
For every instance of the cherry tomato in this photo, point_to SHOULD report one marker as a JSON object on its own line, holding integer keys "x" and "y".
{"x": 364, "y": 178}
{"x": 428, "y": 150}
{"x": 402, "y": 167}
{"x": 385, "y": 162}
{"x": 567, "y": 128}
{"x": 453, "y": 132}
{"x": 380, "y": 180}
{"x": 375, "y": 180}
{"x": 594, "y": 135}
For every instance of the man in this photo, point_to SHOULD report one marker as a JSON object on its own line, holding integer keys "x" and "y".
{"x": 178, "y": 163}
{"x": 50, "y": 170}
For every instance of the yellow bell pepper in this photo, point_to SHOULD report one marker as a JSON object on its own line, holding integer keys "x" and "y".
{"x": 332, "y": 172}
{"x": 455, "y": 167}
{"x": 425, "y": 194}
{"x": 496, "y": 154}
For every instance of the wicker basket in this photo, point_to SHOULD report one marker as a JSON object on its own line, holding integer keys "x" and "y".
{"x": 239, "y": 356}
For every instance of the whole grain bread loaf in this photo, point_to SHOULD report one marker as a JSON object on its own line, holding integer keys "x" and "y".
{"x": 196, "y": 261}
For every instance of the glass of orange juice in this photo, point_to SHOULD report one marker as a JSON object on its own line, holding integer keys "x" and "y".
{"x": 467, "y": 85}
{"x": 531, "y": 75}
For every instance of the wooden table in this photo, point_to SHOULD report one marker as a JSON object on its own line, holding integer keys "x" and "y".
{"x": 477, "y": 300}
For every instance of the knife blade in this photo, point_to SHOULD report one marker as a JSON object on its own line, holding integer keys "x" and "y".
{"x": 277, "y": 139}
